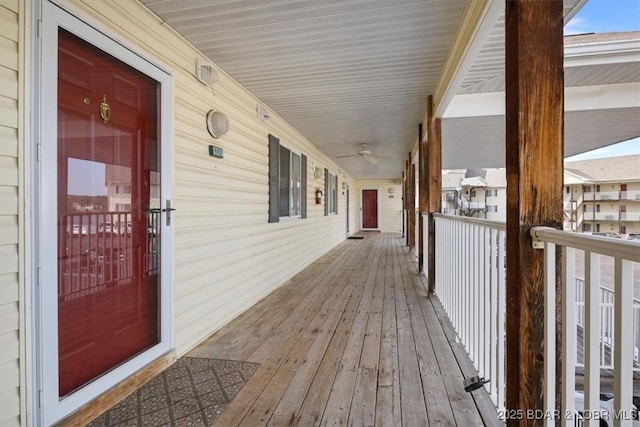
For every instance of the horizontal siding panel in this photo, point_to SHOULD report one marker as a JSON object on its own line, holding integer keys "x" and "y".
{"x": 8, "y": 53}
{"x": 9, "y": 318}
{"x": 8, "y": 141}
{"x": 9, "y": 347}
{"x": 10, "y": 374}
{"x": 9, "y": 227}
{"x": 8, "y": 112}
{"x": 241, "y": 292}
{"x": 9, "y": 257}
{"x": 9, "y": 23}
{"x": 9, "y": 86}
{"x": 9, "y": 288}
{"x": 8, "y": 171}
{"x": 10, "y": 408}
{"x": 8, "y": 200}
{"x": 205, "y": 166}
{"x": 11, "y": 5}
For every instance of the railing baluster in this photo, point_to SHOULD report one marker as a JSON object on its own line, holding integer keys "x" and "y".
{"x": 549, "y": 331}
{"x": 591, "y": 335}
{"x": 623, "y": 345}
{"x": 486, "y": 292}
{"x": 493, "y": 315}
{"x": 568, "y": 335}
{"x": 502, "y": 304}
{"x": 474, "y": 294}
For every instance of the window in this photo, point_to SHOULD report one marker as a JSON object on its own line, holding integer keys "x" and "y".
{"x": 567, "y": 189}
{"x": 492, "y": 193}
{"x": 622, "y": 229}
{"x": 287, "y": 182}
{"x": 472, "y": 193}
{"x": 586, "y": 227}
{"x": 492, "y": 208}
{"x": 587, "y": 189}
{"x": 123, "y": 189}
{"x": 123, "y": 207}
{"x": 331, "y": 190}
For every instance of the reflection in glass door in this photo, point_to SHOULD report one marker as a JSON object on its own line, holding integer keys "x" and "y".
{"x": 108, "y": 213}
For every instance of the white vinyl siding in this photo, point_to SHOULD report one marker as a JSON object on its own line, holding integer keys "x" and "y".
{"x": 227, "y": 255}
{"x": 11, "y": 224}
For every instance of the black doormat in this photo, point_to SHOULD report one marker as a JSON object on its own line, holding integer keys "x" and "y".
{"x": 355, "y": 237}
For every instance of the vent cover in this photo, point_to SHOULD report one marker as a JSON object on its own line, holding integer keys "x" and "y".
{"x": 206, "y": 72}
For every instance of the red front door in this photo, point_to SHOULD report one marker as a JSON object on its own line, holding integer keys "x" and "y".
{"x": 370, "y": 209}
{"x": 108, "y": 195}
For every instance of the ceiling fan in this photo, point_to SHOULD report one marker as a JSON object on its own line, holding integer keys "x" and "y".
{"x": 365, "y": 154}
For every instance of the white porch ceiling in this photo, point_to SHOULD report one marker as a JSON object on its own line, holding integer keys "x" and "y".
{"x": 359, "y": 71}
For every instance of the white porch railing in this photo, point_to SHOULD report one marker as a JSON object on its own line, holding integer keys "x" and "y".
{"x": 624, "y": 254}
{"x": 607, "y": 303}
{"x": 607, "y": 216}
{"x": 630, "y": 195}
{"x": 608, "y": 195}
{"x": 470, "y": 284}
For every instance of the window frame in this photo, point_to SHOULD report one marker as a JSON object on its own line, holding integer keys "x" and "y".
{"x": 292, "y": 153}
{"x": 331, "y": 192}
{"x": 275, "y": 147}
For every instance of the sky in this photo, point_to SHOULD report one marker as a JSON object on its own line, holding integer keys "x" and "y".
{"x": 603, "y": 16}
{"x": 626, "y": 148}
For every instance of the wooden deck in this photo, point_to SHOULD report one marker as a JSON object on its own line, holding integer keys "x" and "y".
{"x": 354, "y": 340}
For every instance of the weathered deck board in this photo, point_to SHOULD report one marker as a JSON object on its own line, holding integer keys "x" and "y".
{"x": 352, "y": 340}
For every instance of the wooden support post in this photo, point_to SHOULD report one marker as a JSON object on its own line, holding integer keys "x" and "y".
{"x": 412, "y": 203}
{"x": 406, "y": 199}
{"x": 404, "y": 202}
{"x": 433, "y": 173}
{"x": 534, "y": 153}
{"x": 422, "y": 195}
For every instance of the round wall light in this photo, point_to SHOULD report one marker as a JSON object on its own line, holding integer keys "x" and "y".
{"x": 217, "y": 123}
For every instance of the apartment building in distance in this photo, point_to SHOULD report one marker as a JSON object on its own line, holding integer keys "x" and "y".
{"x": 603, "y": 195}
{"x": 478, "y": 193}
{"x": 600, "y": 195}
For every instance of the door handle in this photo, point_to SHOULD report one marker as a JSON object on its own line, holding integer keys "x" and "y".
{"x": 168, "y": 209}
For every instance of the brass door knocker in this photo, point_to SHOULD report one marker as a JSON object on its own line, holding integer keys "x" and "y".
{"x": 105, "y": 110}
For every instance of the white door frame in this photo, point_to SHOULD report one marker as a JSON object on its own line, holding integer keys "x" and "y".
{"x": 46, "y": 407}
{"x": 378, "y": 189}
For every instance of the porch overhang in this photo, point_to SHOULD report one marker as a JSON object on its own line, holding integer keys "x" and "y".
{"x": 344, "y": 75}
